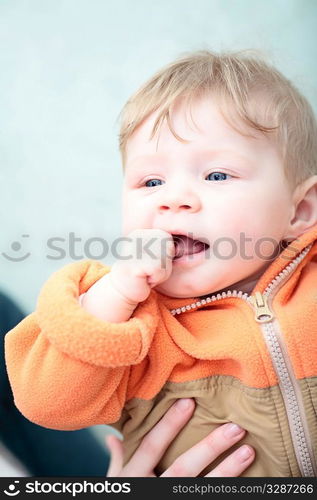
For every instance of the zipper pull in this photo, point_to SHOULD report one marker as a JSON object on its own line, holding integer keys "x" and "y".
{"x": 263, "y": 313}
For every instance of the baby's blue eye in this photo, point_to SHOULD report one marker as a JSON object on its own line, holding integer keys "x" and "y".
{"x": 217, "y": 176}
{"x": 152, "y": 182}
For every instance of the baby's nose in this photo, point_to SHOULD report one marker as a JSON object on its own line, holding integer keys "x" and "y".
{"x": 175, "y": 206}
{"x": 189, "y": 202}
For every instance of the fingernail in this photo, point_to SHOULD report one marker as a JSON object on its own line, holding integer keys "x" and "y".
{"x": 183, "y": 404}
{"x": 115, "y": 434}
{"x": 232, "y": 430}
{"x": 244, "y": 453}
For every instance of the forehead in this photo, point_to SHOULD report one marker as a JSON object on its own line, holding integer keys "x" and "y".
{"x": 201, "y": 126}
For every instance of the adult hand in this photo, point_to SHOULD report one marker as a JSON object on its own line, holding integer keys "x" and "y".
{"x": 190, "y": 463}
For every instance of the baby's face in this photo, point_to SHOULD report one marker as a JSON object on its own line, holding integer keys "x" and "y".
{"x": 222, "y": 188}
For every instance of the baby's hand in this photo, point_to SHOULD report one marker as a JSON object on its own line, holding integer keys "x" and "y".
{"x": 145, "y": 261}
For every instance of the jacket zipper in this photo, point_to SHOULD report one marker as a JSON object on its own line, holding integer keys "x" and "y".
{"x": 264, "y": 315}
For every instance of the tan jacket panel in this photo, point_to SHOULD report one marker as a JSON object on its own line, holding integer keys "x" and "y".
{"x": 221, "y": 399}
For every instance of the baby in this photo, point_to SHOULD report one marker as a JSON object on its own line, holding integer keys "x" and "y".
{"x": 214, "y": 296}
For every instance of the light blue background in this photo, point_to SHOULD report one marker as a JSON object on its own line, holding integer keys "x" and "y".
{"x": 66, "y": 69}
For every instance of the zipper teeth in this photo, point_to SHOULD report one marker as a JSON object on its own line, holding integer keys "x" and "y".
{"x": 243, "y": 295}
{"x": 286, "y": 271}
{"x": 288, "y": 390}
{"x": 211, "y": 298}
{"x": 286, "y": 384}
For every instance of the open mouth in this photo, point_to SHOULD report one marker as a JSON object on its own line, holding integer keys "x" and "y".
{"x": 185, "y": 245}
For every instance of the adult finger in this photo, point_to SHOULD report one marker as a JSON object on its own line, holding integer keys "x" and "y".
{"x": 234, "y": 464}
{"x": 194, "y": 460}
{"x": 116, "y": 456}
{"x": 156, "y": 442}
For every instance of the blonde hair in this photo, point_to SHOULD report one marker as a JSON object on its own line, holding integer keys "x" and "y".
{"x": 259, "y": 94}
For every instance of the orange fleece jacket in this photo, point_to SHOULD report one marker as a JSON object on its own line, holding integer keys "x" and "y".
{"x": 70, "y": 370}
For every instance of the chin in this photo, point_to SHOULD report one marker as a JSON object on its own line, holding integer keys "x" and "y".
{"x": 177, "y": 295}
{"x": 173, "y": 291}
{"x": 169, "y": 292}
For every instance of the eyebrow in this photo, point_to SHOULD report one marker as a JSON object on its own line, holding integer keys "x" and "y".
{"x": 206, "y": 155}
{"x": 143, "y": 159}
{"x": 211, "y": 154}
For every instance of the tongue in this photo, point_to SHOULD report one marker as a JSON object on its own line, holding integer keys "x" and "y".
{"x": 186, "y": 246}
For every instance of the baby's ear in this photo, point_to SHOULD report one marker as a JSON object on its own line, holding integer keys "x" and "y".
{"x": 305, "y": 208}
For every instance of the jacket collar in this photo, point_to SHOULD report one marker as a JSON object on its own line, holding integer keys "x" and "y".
{"x": 288, "y": 255}
{"x": 284, "y": 258}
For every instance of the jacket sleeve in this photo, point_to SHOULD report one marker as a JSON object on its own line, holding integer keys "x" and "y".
{"x": 67, "y": 368}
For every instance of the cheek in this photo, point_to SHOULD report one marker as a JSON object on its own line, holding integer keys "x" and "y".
{"x": 266, "y": 208}
{"x": 134, "y": 214}
{"x": 271, "y": 212}
{"x": 254, "y": 225}
{"x": 129, "y": 214}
